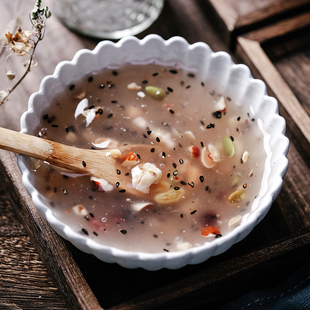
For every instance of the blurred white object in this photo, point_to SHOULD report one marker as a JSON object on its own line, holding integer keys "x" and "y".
{"x": 109, "y": 19}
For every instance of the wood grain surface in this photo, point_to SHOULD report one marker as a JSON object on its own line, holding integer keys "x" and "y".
{"x": 40, "y": 270}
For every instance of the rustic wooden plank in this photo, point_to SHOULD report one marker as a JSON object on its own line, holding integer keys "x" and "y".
{"x": 267, "y": 70}
{"x": 24, "y": 282}
{"x": 49, "y": 245}
{"x": 213, "y": 286}
{"x": 237, "y": 17}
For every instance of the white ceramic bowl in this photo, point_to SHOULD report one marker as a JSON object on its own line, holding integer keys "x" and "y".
{"x": 225, "y": 77}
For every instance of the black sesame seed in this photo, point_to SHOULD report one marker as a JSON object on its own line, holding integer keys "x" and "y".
{"x": 123, "y": 231}
{"x": 193, "y": 212}
{"x": 55, "y": 189}
{"x": 114, "y": 101}
{"x": 90, "y": 197}
{"x": 175, "y": 172}
{"x": 152, "y": 150}
{"x": 84, "y": 163}
{"x": 182, "y": 215}
{"x": 191, "y": 184}
{"x": 157, "y": 139}
{"x": 95, "y": 233}
{"x": 163, "y": 154}
{"x": 118, "y": 171}
{"x": 138, "y": 155}
{"x": 192, "y": 75}
{"x": 51, "y": 119}
{"x": 99, "y": 111}
{"x": 84, "y": 231}
{"x": 145, "y": 81}
{"x": 86, "y": 218}
{"x": 174, "y": 165}
{"x": 170, "y": 89}
{"x": 176, "y": 188}
{"x": 90, "y": 79}
{"x": 201, "y": 178}
{"x": 217, "y": 114}
{"x": 149, "y": 132}
{"x": 155, "y": 74}
{"x": 173, "y": 71}
{"x": 183, "y": 183}
{"x": 117, "y": 184}
{"x": 202, "y": 84}
{"x": 171, "y": 111}
{"x": 207, "y": 188}
{"x": 166, "y": 250}
{"x": 127, "y": 173}
{"x": 218, "y": 236}
{"x": 115, "y": 73}
{"x": 110, "y": 115}
{"x": 211, "y": 125}
{"x": 201, "y": 143}
{"x": 144, "y": 135}
{"x": 181, "y": 161}
{"x": 45, "y": 117}
{"x": 238, "y": 118}
{"x": 101, "y": 86}
{"x": 122, "y": 191}
{"x": 253, "y": 119}
{"x": 72, "y": 86}
{"x": 188, "y": 86}
{"x": 202, "y": 123}
{"x": 168, "y": 175}
{"x": 91, "y": 214}
{"x": 232, "y": 138}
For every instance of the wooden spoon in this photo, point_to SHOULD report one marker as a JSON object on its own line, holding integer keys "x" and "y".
{"x": 96, "y": 163}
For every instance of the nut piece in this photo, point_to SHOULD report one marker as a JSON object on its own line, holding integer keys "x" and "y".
{"x": 102, "y": 143}
{"x": 171, "y": 196}
{"x": 155, "y": 92}
{"x": 235, "y": 221}
{"x": 245, "y": 157}
{"x": 215, "y": 154}
{"x": 115, "y": 153}
{"x": 206, "y": 158}
{"x": 134, "y": 86}
{"x": 80, "y": 210}
{"x": 237, "y": 196}
{"x": 101, "y": 184}
{"x": 138, "y": 206}
{"x": 228, "y": 146}
{"x": 144, "y": 175}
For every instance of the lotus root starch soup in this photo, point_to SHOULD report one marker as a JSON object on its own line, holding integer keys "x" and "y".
{"x": 198, "y": 176}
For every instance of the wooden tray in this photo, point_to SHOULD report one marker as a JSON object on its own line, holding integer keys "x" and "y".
{"x": 277, "y": 247}
{"x": 235, "y": 17}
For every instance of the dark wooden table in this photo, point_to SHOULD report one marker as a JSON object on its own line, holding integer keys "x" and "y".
{"x": 39, "y": 270}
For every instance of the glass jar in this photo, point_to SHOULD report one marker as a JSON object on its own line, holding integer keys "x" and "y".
{"x": 109, "y": 19}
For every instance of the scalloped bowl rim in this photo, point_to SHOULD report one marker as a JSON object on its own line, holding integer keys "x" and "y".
{"x": 195, "y": 255}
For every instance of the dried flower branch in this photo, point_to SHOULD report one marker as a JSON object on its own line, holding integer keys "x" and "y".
{"x": 24, "y": 42}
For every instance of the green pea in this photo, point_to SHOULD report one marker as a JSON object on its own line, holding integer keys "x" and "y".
{"x": 228, "y": 146}
{"x": 155, "y": 92}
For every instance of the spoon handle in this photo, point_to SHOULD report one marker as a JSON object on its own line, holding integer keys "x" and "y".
{"x": 69, "y": 157}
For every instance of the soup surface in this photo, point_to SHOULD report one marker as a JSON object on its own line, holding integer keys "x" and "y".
{"x": 199, "y": 174}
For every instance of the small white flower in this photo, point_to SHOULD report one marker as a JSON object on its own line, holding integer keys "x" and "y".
{"x": 3, "y": 95}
